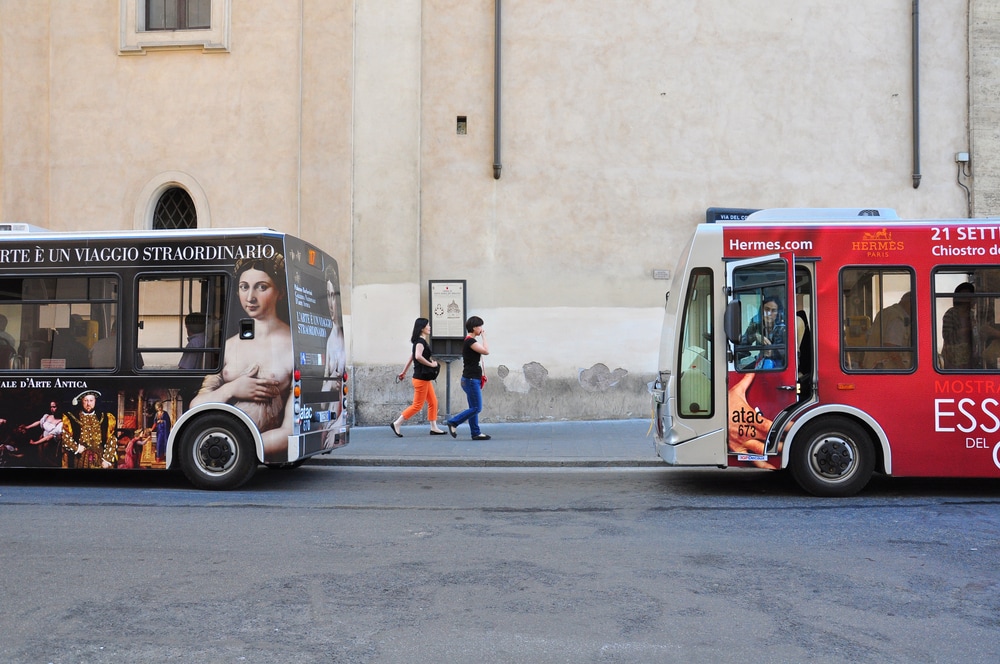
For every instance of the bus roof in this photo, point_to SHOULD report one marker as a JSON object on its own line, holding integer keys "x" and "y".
{"x": 822, "y": 214}
{"x": 17, "y": 230}
{"x": 18, "y": 227}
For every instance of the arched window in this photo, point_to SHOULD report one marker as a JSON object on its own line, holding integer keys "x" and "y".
{"x": 175, "y": 209}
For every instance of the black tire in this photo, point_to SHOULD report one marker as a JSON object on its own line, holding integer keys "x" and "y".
{"x": 832, "y": 457}
{"x": 216, "y": 452}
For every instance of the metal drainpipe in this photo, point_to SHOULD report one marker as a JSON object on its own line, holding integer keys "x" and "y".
{"x": 496, "y": 93}
{"x": 915, "y": 68}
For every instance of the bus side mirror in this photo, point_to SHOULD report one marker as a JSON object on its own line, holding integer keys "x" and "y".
{"x": 733, "y": 321}
{"x": 246, "y": 328}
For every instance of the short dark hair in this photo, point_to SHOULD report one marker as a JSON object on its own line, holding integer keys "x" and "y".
{"x": 195, "y": 322}
{"x": 473, "y": 323}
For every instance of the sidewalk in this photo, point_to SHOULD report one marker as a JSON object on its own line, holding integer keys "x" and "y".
{"x": 606, "y": 443}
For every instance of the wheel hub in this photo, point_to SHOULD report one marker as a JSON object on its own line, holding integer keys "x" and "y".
{"x": 834, "y": 458}
{"x": 216, "y": 452}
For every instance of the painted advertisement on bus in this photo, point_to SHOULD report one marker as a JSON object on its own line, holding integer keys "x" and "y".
{"x": 907, "y": 328}
{"x": 108, "y": 344}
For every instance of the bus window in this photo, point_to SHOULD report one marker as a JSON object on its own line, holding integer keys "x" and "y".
{"x": 763, "y": 343}
{"x": 967, "y": 331}
{"x": 877, "y": 328}
{"x": 180, "y": 322}
{"x": 694, "y": 391}
{"x": 54, "y": 323}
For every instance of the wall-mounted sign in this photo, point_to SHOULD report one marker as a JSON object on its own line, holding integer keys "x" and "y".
{"x": 447, "y": 309}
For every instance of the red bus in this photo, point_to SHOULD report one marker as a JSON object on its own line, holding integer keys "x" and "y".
{"x": 836, "y": 344}
{"x": 210, "y": 351}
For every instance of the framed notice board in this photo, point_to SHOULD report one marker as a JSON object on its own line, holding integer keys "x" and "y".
{"x": 447, "y": 313}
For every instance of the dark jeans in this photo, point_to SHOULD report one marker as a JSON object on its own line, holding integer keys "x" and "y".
{"x": 474, "y": 393}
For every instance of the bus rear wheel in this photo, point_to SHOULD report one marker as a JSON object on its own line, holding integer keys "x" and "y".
{"x": 216, "y": 453}
{"x": 833, "y": 457}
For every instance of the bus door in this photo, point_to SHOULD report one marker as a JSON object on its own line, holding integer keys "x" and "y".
{"x": 760, "y": 326}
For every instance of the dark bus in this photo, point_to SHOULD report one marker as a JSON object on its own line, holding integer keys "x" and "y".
{"x": 209, "y": 351}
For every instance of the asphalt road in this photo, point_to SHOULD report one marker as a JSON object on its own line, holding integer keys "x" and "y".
{"x": 354, "y": 564}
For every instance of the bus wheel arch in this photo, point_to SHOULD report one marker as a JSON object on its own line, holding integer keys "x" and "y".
{"x": 216, "y": 451}
{"x": 833, "y": 455}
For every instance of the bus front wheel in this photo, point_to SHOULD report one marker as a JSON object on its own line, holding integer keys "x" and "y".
{"x": 216, "y": 453}
{"x": 833, "y": 457}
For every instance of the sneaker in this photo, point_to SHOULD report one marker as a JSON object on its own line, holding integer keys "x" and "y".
{"x": 481, "y": 436}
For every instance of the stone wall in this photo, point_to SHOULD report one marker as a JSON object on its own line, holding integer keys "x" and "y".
{"x": 984, "y": 106}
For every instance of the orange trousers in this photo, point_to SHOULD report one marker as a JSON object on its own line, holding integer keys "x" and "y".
{"x": 423, "y": 391}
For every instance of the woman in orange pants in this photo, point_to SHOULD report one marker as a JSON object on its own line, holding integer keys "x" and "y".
{"x": 425, "y": 370}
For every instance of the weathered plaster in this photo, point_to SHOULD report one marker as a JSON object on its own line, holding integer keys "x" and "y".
{"x": 622, "y": 122}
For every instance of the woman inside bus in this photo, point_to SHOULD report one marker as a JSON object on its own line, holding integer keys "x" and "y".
{"x": 768, "y": 328}
{"x": 256, "y": 373}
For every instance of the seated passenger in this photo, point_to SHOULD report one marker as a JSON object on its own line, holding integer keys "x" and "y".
{"x": 5, "y": 336}
{"x": 195, "y": 324}
{"x": 891, "y": 329}
{"x": 105, "y": 351}
{"x": 963, "y": 331}
{"x": 768, "y": 328}
{"x": 66, "y": 347}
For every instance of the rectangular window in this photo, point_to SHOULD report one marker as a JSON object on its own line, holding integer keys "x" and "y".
{"x": 174, "y": 24}
{"x": 694, "y": 387}
{"x": 877, "y": 329}
{"x": 178, "y": 14}
{"x": 58, "y": 323}
{"x": 181, "y": 322}
{"x": 967, "y": 329}
{"x": 760, "y": 290}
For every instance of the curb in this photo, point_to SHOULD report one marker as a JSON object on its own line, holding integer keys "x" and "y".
{"x": 432, "y": 462}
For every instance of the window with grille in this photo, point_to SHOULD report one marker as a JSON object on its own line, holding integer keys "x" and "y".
{"x": 178, "y": 14}
{"x": 168, "y": 24}
{"x": 175, "y": 209}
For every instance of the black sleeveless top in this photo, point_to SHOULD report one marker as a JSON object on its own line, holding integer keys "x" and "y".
{"x": 420, "y": 370}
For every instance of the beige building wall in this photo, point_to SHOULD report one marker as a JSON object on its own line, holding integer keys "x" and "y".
{"x": 984, "y": 102}
{"x": 621, "y": 123}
